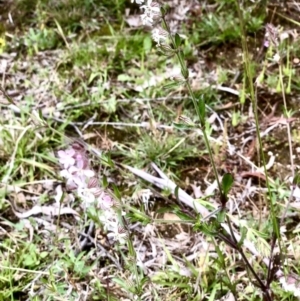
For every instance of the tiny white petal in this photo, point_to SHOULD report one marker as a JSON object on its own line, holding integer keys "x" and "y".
{"x": 276, "y": 57}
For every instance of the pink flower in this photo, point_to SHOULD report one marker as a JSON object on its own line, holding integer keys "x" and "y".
{"x": 82, "y": 180}
{"x": 66, "y": 157}
{"x": 106, "y": 201}
{"x": 81, "y": 161}
{"x": 86, "y": 173}
{"x": 72, "y": 183}
{"x": 77, "y": 177}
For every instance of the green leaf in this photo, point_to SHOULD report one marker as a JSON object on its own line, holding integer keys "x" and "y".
{"x": 177, "y": 40}
{"x": 206, "y": 228}
{"x": 296, "y": 180}
{"x": 116, "y": 191}
{"x": 172, "y": 85}
{"x": 201, "y": 106}
{"x": 163, "y": 11}
{"x": 124, "y": 78}
{"x": 176, "y": 192}
{"x": 182, "y": 126}
{"x": 227, "y": 182}
{"x": 185, "y": 72}
{"x": 110, "y": 162}
{"x": 221, "y": 216}
{"x": 40, "y": 114}
{"x": 136, "y": 215}
{"x": 220, "y": 257}
{"x": 183, "y": 216}
{"x": 121, "y": 282}
{"x": 244, "y": 232}
{"x": 147, "y": 45}
{"x": 235, "y": 118}
{"x": 104, "y": 182}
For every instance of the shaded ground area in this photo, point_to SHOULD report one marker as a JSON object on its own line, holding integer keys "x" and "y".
{"x": 90, "y": 71}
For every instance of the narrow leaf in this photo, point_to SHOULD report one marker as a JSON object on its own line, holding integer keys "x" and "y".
{"x": 227, "y": 182}
{"x": 181, "y": 126}
{"x": 201, "y": 106}
{"x": 296, "y": 180}
{"x": 244, "y": 232}
{"x": 176, "y": 192}
{"x": 172, "y": 85}
{"x": 221, "y": 216}
{"x": 177, "y": 40}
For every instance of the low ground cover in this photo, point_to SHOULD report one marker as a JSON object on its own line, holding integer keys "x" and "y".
{"x": 105, "y": 172}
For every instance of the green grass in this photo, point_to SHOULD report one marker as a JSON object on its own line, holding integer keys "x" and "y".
{"x": 78, "y": 68}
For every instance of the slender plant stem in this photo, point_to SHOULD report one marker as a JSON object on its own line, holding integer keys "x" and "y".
{"x": 288, "y": 132}
{"x": 194, "y": 100}
{"x": 262, "y": 285}
{"x": 254, "y": 104}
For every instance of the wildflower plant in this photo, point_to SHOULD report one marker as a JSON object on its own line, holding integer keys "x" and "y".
{"x": 155, "y": 16}
{"x": 82, "y": 182}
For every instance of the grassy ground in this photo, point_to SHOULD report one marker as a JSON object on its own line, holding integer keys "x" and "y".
{"x": 90, "y": 70}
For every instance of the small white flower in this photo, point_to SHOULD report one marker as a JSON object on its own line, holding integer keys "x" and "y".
{"x": 65, "y": 173}
{"x": 146, "y": 193}
{"x": 284, "y": 35}
{"x": 84, "y": 172}
{"x": 107, "y": 218}
{"x": 296, "y": 193}
{"x": 117, "y": 233}
{"x": 159, "y": 35}
{"x": 276, "y": 58}
{"x": 86, "y": 195}
{"x": 147, "y": 18}
{"x": 113, "y": 225}
{"x": 81, "y": 175}
{"x": 137, "y": 1}
{"x": 282, "y": 230}
{"x": 144, "y": 196}
{"x": 59, "y": 194}
{"x": 151, "y": 12}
